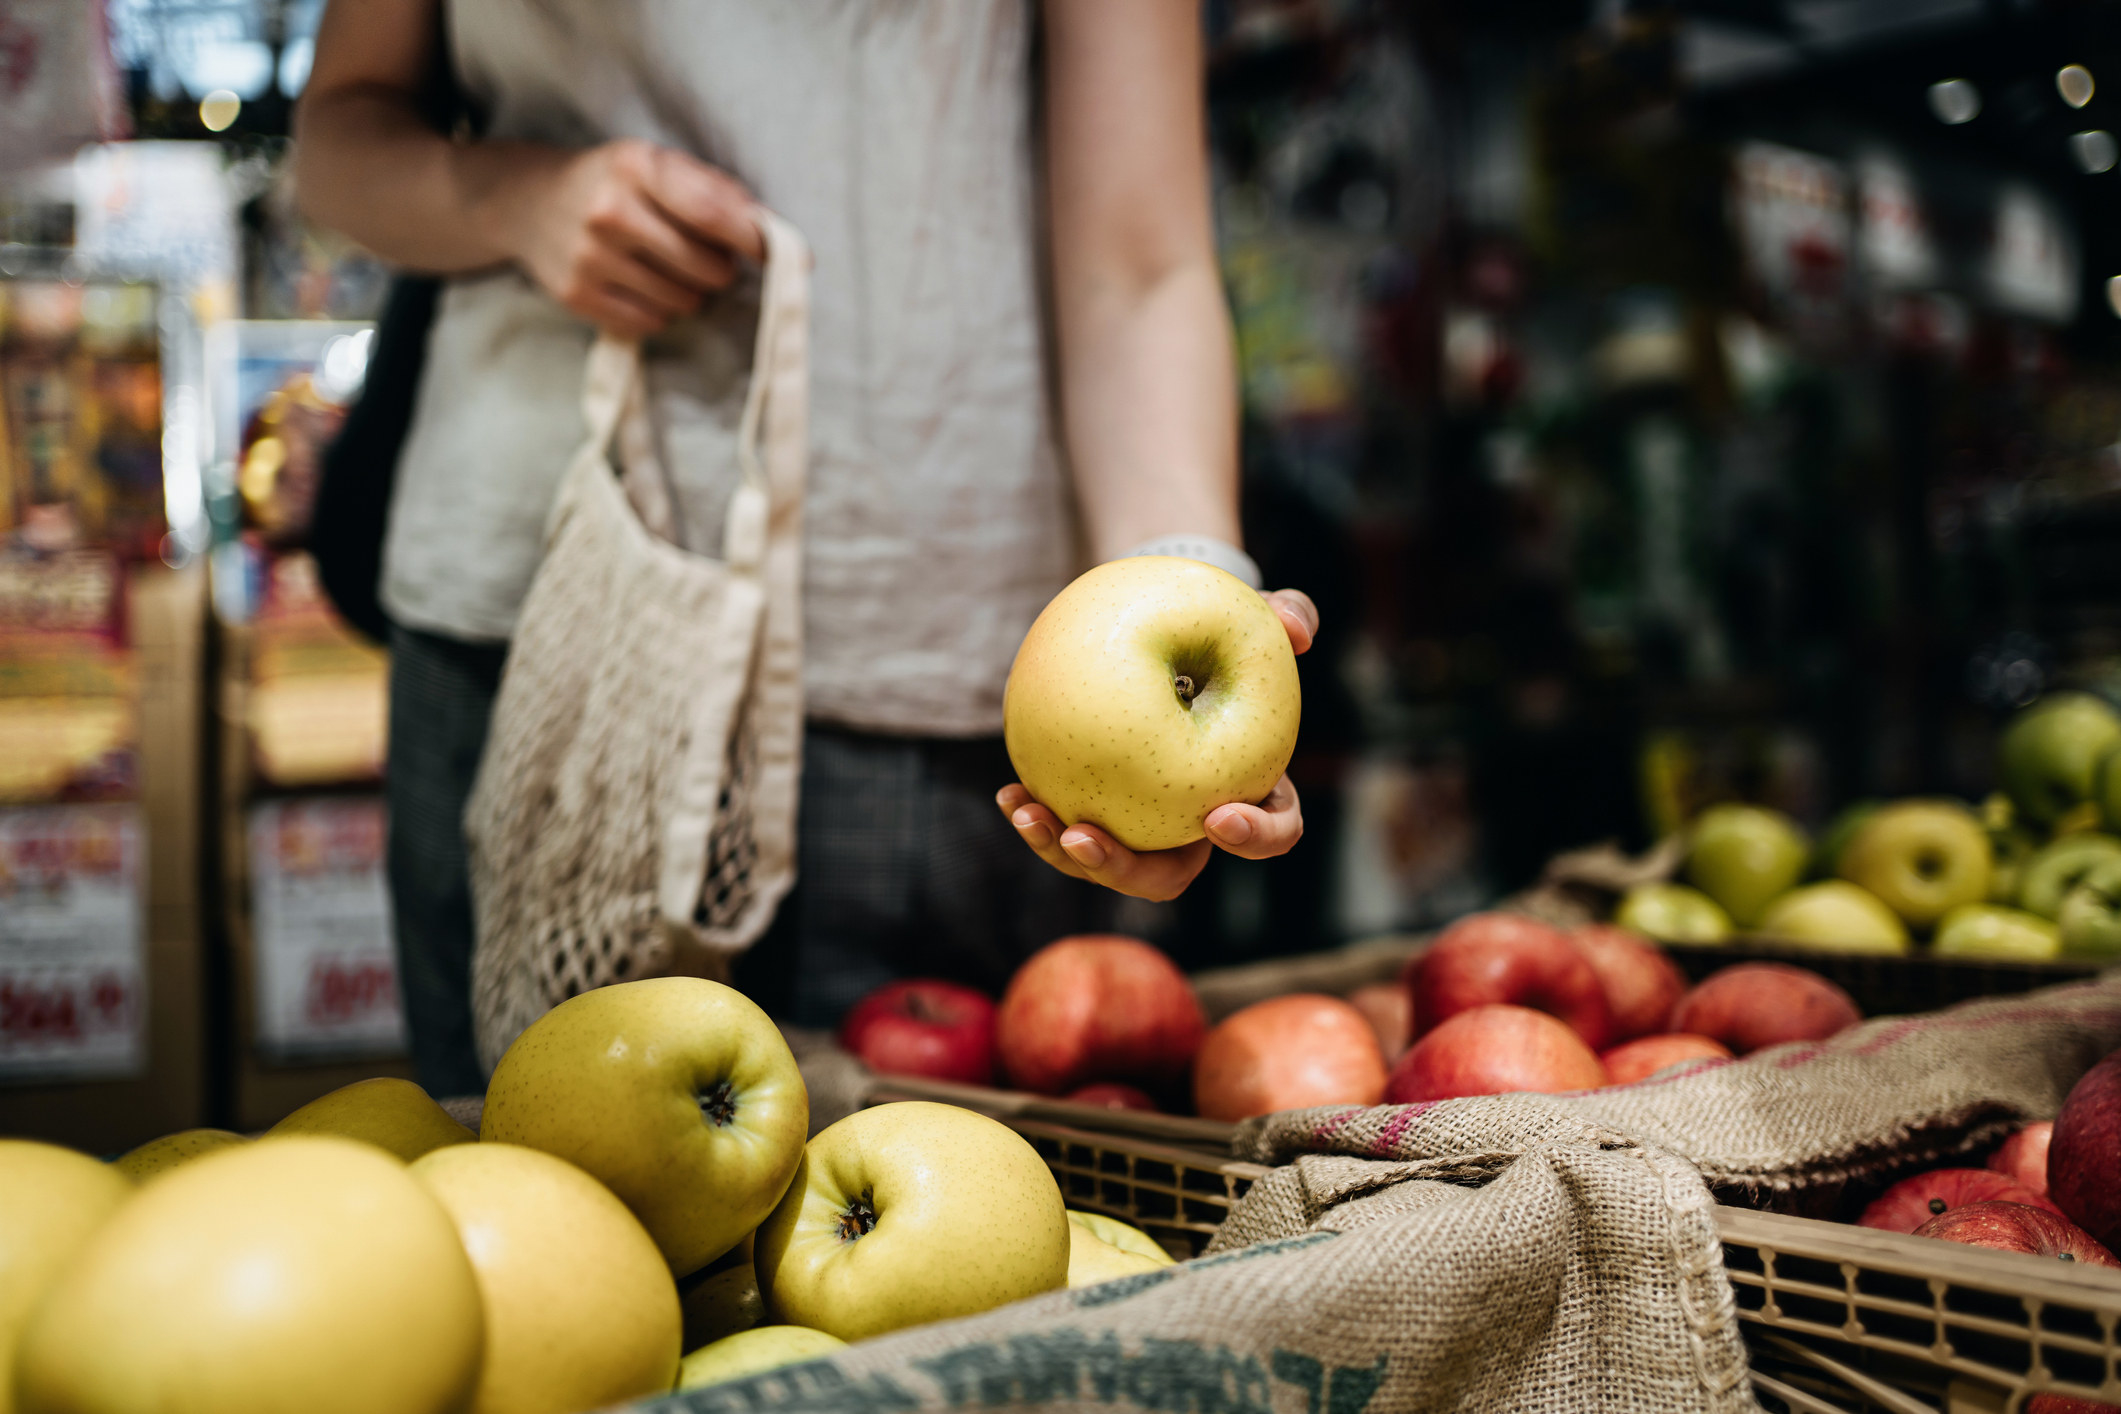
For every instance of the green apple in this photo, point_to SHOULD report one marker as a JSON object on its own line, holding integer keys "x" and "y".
{"x": 1987, "y": 930}
{"x": 2049, "y": 875}
{"x": 1124, "y": 1236}
{"x": 1745, "y": 856}
{"x": 909, "y": 1213}
{"x": 678, "y": 1094}
{"x": 2090, "y": 916}
{"x": 1149, "y": 692}
{"x": 754, "y": 1352}
{"x": 1673, "y": 913}
{"x": 396, "y": 1116}
{"x": 2049, "y": 756}
{"x": 1826, "y": 856}
{"x": 1835, "y": 916}
{"x": 1924, "y": 858}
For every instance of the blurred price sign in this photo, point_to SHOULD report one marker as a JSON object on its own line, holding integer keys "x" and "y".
{"x": 73, "y": 965}
{"x": 326, "y": 978}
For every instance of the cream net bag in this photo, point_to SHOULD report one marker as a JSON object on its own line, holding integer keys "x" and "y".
{"x": 634, "y": 814}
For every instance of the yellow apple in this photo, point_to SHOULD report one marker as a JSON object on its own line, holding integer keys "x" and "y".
{"x": 1744, "y": 856}
{"x": 52, "y": 1200}
{"x": 910, "y": 1213}
{"x": 296, "y": 1273}
{"x": 1091, "y": 1259}
{"x": 676, "y": 1093}
{"x": 1835, "y": 916}
{"x": 1149, "y": 692}
{"x": 580, "y": 1308}
{"x": 1124, "y": 1236}
{"x": 1989, "y": 930}
{"x": 396, "y": 1116}
{"x": 754, "y": 1352}
{"x": 1673, "y": 913}
{"x": 160, "y": 1155}
{"x": 1922, "y": 858}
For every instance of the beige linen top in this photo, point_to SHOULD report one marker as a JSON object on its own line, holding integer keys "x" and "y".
{"x": 897, "y": 135}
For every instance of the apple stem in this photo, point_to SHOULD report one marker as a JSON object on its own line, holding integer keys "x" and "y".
{"x": 1186, "y": 690}
{"x": 718, "y": 1104}
{"x": 858, "y": 1219}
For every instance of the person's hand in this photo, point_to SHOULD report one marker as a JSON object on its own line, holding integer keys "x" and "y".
{"x": 1260, "y": 831}
{"x": 630, "y": 235}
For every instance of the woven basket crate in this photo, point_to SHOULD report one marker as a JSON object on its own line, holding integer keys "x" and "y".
{"x": 1838, "y": 1319}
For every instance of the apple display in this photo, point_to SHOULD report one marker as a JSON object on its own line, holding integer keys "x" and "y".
{"x": 55, "y": 1199}
{"x": 1744, "y": 856}
{"x": 2057, "y": 868}
{"x": 2048, "y": 757}
{"x": 1507, "y": 958}
{"x": 1912, "y": 1202}
{"x": 1641, "y": 983}
{"x": 1287, "y": 1053}
{"x": 294, "y": 1273}
{"x": 1673, "y": 913}
{"x": 1494, "y": 1050}
{"x": 908, "y": 1213}
{"x": 580, "y": 1308}
{"x": 676, "y": 1093}
{"x": 2089, "y": 921}
{"x": 755, "y": 1352}
{"x": 1996, "y": 932}
{"x": 171, "y": 1150}
{"x": 2016, "y": 1227}
{"x": 1643, "y": 1057}
{"x": 1922, "y": 858}
{"x": 395, "y": 1115}
{"x": 1111, "y": 1095}
{"x": 1097, "y": 1007}
{"x": 1150, "y": 691}
{"x": 924, "y": 1027}
{"x": 2084, "y": 1152}
{"x": 1390, "y": 1012}
{"x": 1750, "y": 1006}
{"x": 1835, "y": 916}
{"x": 2023, "y": 1156}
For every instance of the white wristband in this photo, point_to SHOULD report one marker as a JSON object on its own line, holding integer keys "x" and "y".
{"x": 1205, "y": 548}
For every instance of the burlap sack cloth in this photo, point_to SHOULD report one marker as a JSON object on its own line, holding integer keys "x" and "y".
{"x": 1512, "y": 1253}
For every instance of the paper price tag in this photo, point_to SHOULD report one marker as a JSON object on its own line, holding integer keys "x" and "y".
{"x": 73, "y": 966}
{"x": 326, "y": 977}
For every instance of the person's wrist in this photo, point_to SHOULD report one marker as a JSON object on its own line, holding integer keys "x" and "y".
{"x": 1207, "y": 549}
{"x": 508, "y": 184}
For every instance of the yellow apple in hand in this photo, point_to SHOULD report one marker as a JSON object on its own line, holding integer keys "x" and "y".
{"x": 396, "y": 1116}
{"x": 1149, "y": 692}
{"x": 51, "y": 1201}
{"x": 580, "y": 1308}
{"x": 909, "y": 1213}
{"x": 676, "y": 1093}
{"x": 297, "y": 1273}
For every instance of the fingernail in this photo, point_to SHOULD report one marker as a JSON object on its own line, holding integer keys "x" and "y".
{"x": 1032, "y": 830}
{"x": 1232, "y": 828}
{"x": 1083, "y": 850}
{"x": 1023, "y": 818}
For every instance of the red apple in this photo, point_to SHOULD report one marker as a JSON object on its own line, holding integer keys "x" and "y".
{"x": 2023, "y": 1156}
{"x": 1641, "y": 983}
{"x": 1288, "y": 1053}
{"x": 2067, "y": 1404}
{"x": 2017, "y": 1227}
{"x": 1097, "y": 1007}
{"x": 2084, "y": 1156}
{"x": 1110, "y": 1095}
{"x": 1390, "y": 1012}
{"x": 1750, "y": 1006}
{"x": 1912, "y": 1202}
{"x": 1493, "y": 1050}
{"x": 1644, "y": 1056}
{"x": 924, "y": 1027}
{"x": 1489, "y": 958}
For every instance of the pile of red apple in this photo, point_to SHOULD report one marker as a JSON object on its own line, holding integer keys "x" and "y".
{"x": 1499, "y": 1002}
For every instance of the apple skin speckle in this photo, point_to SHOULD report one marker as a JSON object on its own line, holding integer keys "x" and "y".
{"x": 1096, "y": 728}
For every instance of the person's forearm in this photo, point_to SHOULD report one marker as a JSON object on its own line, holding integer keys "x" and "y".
{"x": 1148, "y": 396}
{"x": 367, "y": 165}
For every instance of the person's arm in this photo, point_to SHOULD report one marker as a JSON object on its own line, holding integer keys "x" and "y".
{"x": 1148, "y": 378}
{"x": 627, "y": 234}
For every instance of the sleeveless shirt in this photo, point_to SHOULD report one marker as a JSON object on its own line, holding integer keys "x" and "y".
{"x": 897, "y": 135}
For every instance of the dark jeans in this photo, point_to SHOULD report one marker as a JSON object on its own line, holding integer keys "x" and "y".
{"x": 904, "y": 865}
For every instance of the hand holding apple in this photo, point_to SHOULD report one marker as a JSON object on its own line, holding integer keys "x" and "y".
{"x": 1130, "y": 750}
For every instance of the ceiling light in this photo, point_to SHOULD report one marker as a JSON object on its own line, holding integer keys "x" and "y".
{"x": 218, "y": 109}
{"x": 1955, "y": 101}
{"x": 2074, "y": 83}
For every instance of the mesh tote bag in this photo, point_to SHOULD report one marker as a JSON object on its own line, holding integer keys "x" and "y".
{"x": 634, "y": 814}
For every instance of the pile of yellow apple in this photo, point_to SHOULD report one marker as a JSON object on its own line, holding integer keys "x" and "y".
{"x": 640, "y": 1188}
{"x": 2032, "y": 873}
